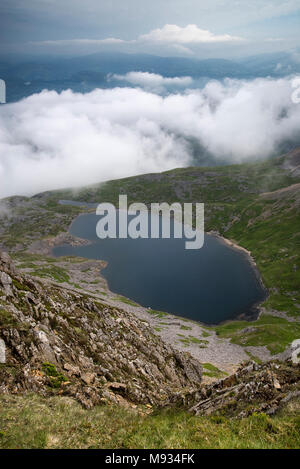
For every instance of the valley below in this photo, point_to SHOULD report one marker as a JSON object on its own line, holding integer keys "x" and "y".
{"x": 63, "y": 332}
{"x": 253, "y": 208}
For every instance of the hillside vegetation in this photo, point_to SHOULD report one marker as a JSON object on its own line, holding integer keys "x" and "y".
{"x": 58, "y": 422}
{"x": 63, "y": 352}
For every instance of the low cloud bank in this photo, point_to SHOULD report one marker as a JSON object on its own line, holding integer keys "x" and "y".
{"x": 153, "y": 81}
{"x": 50, "y": 140}
{"x": 190, "y": 34}
{"x": 170, "y": 36}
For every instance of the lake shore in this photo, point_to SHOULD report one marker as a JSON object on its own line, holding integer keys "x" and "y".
{"x": 184, "y": 334}
{"x": 255, "y": 310}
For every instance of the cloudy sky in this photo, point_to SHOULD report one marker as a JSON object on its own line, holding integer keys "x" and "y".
{"x": 224, "y": 28}
{"x": 51, "y": 140}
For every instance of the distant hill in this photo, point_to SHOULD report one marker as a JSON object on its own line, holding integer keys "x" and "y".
{"x": 121, "y": 63}
{"x": 84, "y": 73}
{"x": 275, "y": 64}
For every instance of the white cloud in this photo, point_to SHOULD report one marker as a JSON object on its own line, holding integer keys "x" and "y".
{"x": 51, "y": 140}
{"x": 170, "y": 34}
{"x": 153, "y": 81}
{"x": 190, "y": 34}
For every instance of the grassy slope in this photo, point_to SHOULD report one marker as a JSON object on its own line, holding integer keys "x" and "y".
{"x": 34, "y": 422}
{"x": 270, "y": 228}
{"x": 32, "y": 219}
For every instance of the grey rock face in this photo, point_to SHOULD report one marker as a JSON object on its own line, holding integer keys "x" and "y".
{"x": 58, "y": 338}
{"x": 295, "y": 349}
{"x": 253, "y": 388}
{"x": 6, "y": 282}
{"x": 2, "y": 351}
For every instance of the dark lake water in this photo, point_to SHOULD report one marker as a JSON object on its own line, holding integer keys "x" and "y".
{"x": 211, "y": 285}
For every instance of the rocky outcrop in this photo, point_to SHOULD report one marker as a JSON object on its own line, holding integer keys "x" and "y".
{"x": 252, "y": 389}
{"x": 292, "y": 161}
{"x": 55, "y": 340}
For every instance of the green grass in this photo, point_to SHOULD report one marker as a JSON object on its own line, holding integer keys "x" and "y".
{"x": 35, "y": 422}
{"x": 272, "y": 233}
{"x": 186, "y": 328}
{"x": 53, "y": 272}
{"x": 157, "y": 314}
{"x": 125, "y": 300}
{"x": 212, "y": 371}
{"x": 276, "y": 333}
{"x": 28, "y": 258}
{"x": 189, "y": 340}
{"x": 50, "y": 220}
{"x": 55, "y": 378}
